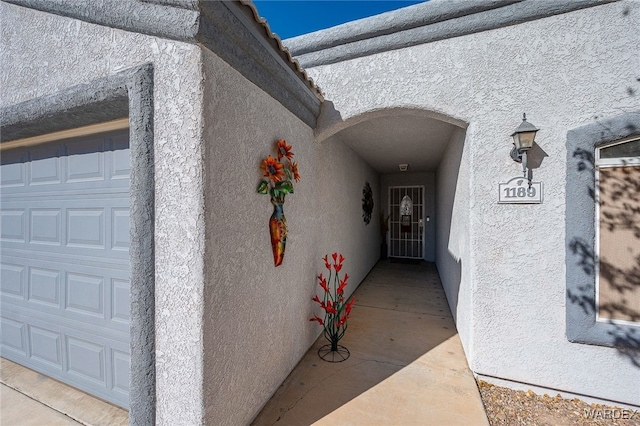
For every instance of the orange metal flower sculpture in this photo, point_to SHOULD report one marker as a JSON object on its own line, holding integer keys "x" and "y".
{"x": 278, "y": 184}
{"x": 284, "y": 150}
{"x": 296, "y": 174}
{"x": 272, "y": 169}
{"x": 336, "y": 311}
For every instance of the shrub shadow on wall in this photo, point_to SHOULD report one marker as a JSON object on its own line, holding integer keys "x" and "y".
{"x": 618, "y": 201}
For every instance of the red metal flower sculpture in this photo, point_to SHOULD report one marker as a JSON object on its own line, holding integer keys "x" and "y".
{"x": 278, "y": 184}
{"x": 336, "y": 311}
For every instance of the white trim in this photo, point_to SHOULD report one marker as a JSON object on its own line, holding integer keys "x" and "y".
{"x": 613, "y": 321}
{"x": 616, "y": 162}
{"x": 596, "y": 243}
{"x": 119, "y": 124}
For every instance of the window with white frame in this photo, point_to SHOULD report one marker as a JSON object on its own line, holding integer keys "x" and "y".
{"x": 602, "y": 233}
{"x": 617, "y": 227}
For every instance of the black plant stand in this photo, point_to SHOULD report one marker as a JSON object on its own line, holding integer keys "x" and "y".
{"x": 338, "y": 355}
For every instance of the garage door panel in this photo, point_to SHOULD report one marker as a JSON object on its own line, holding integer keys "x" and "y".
{"x": 12, "y": 279}
{"x": 71, "y": 190}
{"x": 86, "y": 360}
{"x": 12, "y": 225}
{"x": 45, "y": 346}
{"x": 44, "y": 286}
{"x": 98, "y": 299}
{"x": 120, "y": 374}
{"x": 44, "y": 165}
{"x": 120, "y": 302}
{"x": 14, "y": 171}
{"x": 13, "y": 335}
{"x": 85, "y": 294}
{"x": 85, "y": 160}
{"x": 89, "y": 294}
{"x": 120, "y": 229}
{"x": 87, "y": 163}
{"x": 45, "y": 226}
{"x": 119, "y": 161}
{"x": 85, "y": 228}
{"x": 50, "y": 320}
{"x": 87, "y": 258}
{"x": 74, "y": 226}
{"x": 64, "y": 272}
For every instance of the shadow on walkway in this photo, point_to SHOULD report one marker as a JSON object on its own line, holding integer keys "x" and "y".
{"x": 407, "y": 365}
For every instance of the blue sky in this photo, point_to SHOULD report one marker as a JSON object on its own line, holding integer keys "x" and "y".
{"x": 289, "y": 18}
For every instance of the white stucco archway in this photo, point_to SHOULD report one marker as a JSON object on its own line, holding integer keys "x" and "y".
{"x": 432, "y": 143}
{"x": 332, "y": 121}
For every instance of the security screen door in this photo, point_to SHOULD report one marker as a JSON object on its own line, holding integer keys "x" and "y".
{"x": 406, "y": 222}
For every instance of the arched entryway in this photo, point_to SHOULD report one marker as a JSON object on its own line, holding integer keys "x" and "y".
{"x": 418, "y": 153}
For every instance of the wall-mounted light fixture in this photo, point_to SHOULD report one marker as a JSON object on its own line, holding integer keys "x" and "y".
{"x": 523, "y": 138}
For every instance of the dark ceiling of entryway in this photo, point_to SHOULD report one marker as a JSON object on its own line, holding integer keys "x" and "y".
{"x": 386, "y": 142}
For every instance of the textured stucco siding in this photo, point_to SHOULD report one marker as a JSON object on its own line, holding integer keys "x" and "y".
{"x": 256, "y": 319}
{"x": 564, "y": 71}
{"x": 451, "y": 231}
{"x": 43, "y": 54}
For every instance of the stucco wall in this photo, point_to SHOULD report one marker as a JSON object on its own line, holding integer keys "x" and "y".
{"x": 564, "y": 71}
{"x": 451, "y": 206}
{"x": 43, "y": 54}
{"x": 428, "y": 180}
{"x": 256, "y": 319}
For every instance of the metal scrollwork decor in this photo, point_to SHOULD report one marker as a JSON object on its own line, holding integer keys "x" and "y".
{"x": 367, "y": 203}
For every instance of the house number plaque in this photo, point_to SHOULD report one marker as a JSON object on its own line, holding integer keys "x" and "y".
{"x": 520, "y": 191}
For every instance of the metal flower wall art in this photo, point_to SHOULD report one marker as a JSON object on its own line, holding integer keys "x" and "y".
{"x": 280, "y": 172}
{"x": 367, "y": 202}
{"x": 336, "y": 309}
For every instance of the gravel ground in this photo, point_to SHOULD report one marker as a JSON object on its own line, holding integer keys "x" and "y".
{"x": 510, "y": 407}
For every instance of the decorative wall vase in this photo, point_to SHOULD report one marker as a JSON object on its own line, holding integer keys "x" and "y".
{"x": 278, "y": 230}
{"x": 280, "y": 172}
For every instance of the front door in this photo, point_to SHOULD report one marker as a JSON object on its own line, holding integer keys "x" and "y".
{"x": 406, "y": 222}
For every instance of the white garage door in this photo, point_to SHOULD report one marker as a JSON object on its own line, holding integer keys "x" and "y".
{"x": 65, "y": 261}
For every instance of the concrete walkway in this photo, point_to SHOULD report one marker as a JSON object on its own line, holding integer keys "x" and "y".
{"x": 407, "y": 365}
{"x": 30, "y": 398}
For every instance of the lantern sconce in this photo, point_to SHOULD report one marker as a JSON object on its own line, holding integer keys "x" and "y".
{"x": 523, "y": 138}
